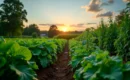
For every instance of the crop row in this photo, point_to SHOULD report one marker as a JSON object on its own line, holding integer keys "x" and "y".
{"x": 96, "y": 64}
{"x": 102, "y": 53}
{"x": 19, "y": 58}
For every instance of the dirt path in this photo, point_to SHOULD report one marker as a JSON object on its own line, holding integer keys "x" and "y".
{"x": 58, "y": 71}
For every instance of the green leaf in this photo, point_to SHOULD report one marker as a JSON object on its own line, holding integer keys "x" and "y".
{"x": 78, "y": 73}
{"x": 49, "y": 49}
{"x": 4, "y": 47}
{"x": 44, "y": 61}
{"x": 2, "y": 39}
{"x": 75, "y": 62}
{"x": 24, "y": 72}
{"x": 25, "y": 52}
{"x": 114, "y": 74}
{"x": 90, "y": 72}
{"x": 126, "y": 71}
{"x": 126, "y": 67}
{"x": 33, "y": 65}
{"x": 36, "y": 51}
{"x": 44, "y": 53}
{"x": 2, "y": 61}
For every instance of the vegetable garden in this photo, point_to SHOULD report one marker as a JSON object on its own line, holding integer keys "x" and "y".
{"x": 101, "y": 53}
{"x": 97, "y": 54}
{"x": 19, "y": 58}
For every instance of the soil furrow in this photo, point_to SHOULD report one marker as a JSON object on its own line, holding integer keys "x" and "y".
{"x": 60, "y": 70}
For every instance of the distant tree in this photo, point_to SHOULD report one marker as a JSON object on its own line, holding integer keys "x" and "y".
{"x": 12, "y": 16}
{"x": 32, "y": 28}
{"x": 53, "y": 31}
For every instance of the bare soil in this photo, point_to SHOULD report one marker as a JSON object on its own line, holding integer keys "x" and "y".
{"x": 60, "y": 70}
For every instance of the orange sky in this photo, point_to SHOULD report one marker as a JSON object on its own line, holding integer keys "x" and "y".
{"x": 73, "y": 14}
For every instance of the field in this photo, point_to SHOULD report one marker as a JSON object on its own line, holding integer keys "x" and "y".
{"x": 96, "y": 54}
{"x": 67, "y": 36}
{"x": 21, "y": 58}
{"x": 70, "y": 49}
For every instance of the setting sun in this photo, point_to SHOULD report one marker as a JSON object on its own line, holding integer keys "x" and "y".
{"x": 64, "y": 29}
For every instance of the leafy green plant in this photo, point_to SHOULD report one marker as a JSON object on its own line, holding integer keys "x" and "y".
{"x": 44, "y": 51}
{"x": 96, "y": 64}
{"x": 110, "y": 36}
{"x": 15, "y": 64}
{"x": 92, "y": 52}
{"x": 122, "y": 43}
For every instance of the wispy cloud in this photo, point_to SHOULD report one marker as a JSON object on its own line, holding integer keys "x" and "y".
{"x": 106, "y": 14}
{"x": 109, "y": 2}
{"x": 52, "y": 24}
{"x": 78, "y": 25}
{"x": 45, "y": 24}
{"x": 91, "y": 23}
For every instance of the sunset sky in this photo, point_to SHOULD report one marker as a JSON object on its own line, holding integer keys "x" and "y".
{"x": 70, "y": 14}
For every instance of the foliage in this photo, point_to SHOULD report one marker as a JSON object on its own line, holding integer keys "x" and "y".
{"x": 20, "y": 57}
{"x": 53, "y": 31}
{"x": 92, "y": 52}
{"x": 31, "y": 29}
{"x": 101, "y": 32}
{"x": 107, "y": 33}
{"x": 44, "y": 51}
{"x": 122, "y": 43}
{"x": 95, "y": 64}
{"x": 103, "y": 37}
{"x": 15, "y": 64}
{"x": 12, "y": 16}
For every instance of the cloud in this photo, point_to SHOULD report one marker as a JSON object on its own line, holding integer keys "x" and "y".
{"x": 110, "y": 1}
{"x": 78, "y": 25}
{"x": 60, "y": 24}
{"x": 52, "y": 24}
{"x": 126, "y": 0}
{"x": 107, "y": 14}
{"x": 91, "y": 23}
{"x": 94, "y": 6}
{"x": 44, "y": 24}
{"x": 104, "y": 4}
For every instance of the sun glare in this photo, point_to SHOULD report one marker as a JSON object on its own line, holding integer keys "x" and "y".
{"x": 64, "y": 29}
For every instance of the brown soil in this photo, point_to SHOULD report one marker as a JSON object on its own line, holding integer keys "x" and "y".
{"x": 58, "y": 71}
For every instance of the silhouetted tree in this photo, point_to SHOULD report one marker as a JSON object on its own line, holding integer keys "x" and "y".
{"x": 53, "y": 31}
{"x": 12, "y": 16}
{"x": 32, "y": 28}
